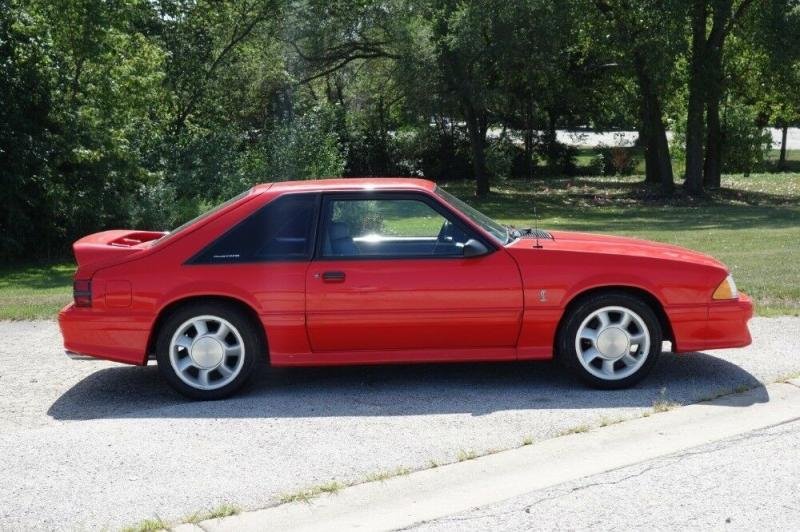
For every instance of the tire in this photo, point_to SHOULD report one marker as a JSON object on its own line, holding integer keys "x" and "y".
{"x": 210, "y": 364}
{"x": 610, "y": 340}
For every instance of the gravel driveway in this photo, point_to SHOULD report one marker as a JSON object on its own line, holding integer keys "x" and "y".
{"x": 96, "y": 444}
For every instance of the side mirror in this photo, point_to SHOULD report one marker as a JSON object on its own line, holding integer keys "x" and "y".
{"x": 473, "y": 248}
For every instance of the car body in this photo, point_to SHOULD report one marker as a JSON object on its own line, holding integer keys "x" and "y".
{"x": 321, "y": 287}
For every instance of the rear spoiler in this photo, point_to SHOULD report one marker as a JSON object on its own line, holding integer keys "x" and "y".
{"x": 107, "y": 244}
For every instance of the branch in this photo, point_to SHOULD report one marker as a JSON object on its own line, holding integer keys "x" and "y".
{"x": 236, "y": 38}
{"x": 737, "y": 15}
{"x": 343, "y": 63}
{"x": 342, "y": 55}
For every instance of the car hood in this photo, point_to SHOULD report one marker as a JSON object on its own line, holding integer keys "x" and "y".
{"x": 616, "y": 245}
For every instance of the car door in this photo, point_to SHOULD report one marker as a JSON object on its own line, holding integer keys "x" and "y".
{"x": 390, "y": 273}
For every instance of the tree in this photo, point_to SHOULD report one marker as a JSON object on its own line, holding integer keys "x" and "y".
{"x": 465, "y": 48}
{"x": 650, "y": 40}
{"x": 705, "y": 89}
{"x": 551, "y": 73}
{"x": 26, "y": 128}
{"x": 772, "y": 42}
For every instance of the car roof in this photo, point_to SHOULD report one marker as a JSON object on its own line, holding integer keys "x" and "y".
{"x": 349, "y": 184}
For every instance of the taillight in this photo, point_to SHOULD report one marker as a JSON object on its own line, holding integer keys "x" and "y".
{"x": 82, "y": 293}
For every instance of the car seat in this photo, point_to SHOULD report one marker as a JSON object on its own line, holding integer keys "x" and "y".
{"x": 341, "y": 242}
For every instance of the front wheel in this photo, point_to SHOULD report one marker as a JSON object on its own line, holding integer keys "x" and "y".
{"x": 610, "y": 340}
{"x": 207, "y": 351}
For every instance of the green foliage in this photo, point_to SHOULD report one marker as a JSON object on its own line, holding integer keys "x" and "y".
{"x": 304, "y": 148}
{"x": 142, "y": 113}
{"x": 439, "y": 151}
{"x": 500, "y": 157}
{"x": 615, "y": 160}
{"x": 560, "y": 158}
{"x": 746, "y": 144}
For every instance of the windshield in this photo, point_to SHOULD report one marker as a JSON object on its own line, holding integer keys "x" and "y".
{"x": 498, "y": 231}
{"x": 202, "y": 216}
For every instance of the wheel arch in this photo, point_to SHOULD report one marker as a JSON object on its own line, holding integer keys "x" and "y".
{"x": 173, "y": 306}
{"x": 647, "y": 297}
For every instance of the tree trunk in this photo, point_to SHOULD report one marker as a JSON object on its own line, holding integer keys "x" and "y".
{"x": 663, "y": 157}
{"x": 658, "y": 163}
{"x": 784, "y": 137}
{"x": 657, "y": 157}
{"x": 650, "y": 162}
{"x": 477, "y": 143}
{"x": 712, "y": 168}
{"x": 693, "y": 178}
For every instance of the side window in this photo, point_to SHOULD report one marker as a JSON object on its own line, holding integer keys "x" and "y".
{"x": 281, "y": 230}
{"x": 388, "y": 228}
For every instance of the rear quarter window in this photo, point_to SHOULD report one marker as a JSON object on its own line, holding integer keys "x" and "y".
{"x": 282, "y": 230}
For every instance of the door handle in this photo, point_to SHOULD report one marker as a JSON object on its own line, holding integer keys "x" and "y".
{"x": 333, "y": 277}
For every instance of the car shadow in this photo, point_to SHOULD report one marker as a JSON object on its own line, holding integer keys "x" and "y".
{"x": 400, "y": 390}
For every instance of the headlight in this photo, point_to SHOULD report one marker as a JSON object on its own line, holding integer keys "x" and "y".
{"x": 726, "y": 289}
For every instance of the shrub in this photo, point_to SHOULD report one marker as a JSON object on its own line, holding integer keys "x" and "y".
{"x": 306, "y": 147}
{"x": 560, "y": 158}
{"x": 745, "y": 144}
{"x": 434, "y": 153}
{"x": 597, "y": 165}
{"x": 501, "y": 155}
{"x": 615, "y": 160}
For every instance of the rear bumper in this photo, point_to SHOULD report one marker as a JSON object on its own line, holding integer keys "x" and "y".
{"x": 725, "y": 326}
{"x": 88, "y": 333}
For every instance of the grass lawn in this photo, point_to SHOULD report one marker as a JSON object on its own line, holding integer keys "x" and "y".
{"x": 29, "y": 292}
{"x": 752, "y": 224}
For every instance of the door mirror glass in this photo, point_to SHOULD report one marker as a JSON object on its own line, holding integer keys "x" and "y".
{"x": 474, "y": 248}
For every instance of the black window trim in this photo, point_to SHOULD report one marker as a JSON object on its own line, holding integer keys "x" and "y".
{"x": 367, "y": 195}
{"x": 194, "y": 260}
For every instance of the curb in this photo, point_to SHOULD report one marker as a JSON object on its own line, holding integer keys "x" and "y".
{"x": 433, "y": 493}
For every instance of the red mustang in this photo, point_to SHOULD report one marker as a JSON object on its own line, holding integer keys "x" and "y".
{"x": 366, "y": 271}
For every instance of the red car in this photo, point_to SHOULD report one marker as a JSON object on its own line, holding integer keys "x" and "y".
{"x": 372, "y": 271}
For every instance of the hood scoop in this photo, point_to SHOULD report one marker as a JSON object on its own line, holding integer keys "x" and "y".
{"x": 535, "y": 233}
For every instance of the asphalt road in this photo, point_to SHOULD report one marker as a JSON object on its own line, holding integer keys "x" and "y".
{"x": 96, "y": 444}
{"x": 749, "y": 482}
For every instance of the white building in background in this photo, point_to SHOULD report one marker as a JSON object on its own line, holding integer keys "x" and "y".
{"x": 587, "y": 139}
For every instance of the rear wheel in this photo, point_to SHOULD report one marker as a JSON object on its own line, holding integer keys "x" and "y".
{"x": 207, "y": 351}
{"x": 610, "y": 340}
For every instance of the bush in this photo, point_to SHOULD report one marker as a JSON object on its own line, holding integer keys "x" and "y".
{"x": 434, "y": 153}
{"x": 306, "y": 147}
{"x": 501, "y": 155}
{"x": 615, "y": 160}
{"x": 560, "y": 158}
{"x": 597, "y": 165}
{"x": 370, "y": 152}
{"x": 745, "y": 144}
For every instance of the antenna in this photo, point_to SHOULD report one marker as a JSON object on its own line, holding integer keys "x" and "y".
{"x": 536, "y": 225}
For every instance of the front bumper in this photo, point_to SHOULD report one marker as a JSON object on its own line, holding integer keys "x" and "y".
{"x": 725, "y": 326}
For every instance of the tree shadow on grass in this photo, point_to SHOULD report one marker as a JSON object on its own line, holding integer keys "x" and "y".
{"x": 584, "y": 204}
{"x": 37, "y": 276}
{"x": 401, "y": 390}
